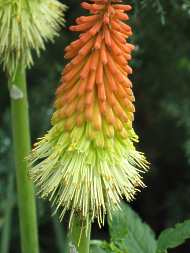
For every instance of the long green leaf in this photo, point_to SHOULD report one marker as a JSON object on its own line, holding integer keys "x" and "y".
{"x": 173, "y": 237}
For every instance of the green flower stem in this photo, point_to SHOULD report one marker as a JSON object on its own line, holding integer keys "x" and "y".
{"x": 22, "y": 146}
{"x": 79, "y": 236}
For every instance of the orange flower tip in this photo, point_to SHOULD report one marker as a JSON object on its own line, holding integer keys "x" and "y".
{"x": 128, "y": 57}
{"x": 97, "y": 7}
{"x": 106, "y": 19}
{"x": 97, "y": 46}
{"x": 129, "y": 33}
{"x": 93, "y": 67}
{"x": 89, "y": 113}
{"x": 66, "y": 78}
{"x": 79, "y": 121}
{"x": 83, "y": 76}
{"x": 130, "y": 83}
{"x": 71, "y": 28}
{"x": 114, "y": 88}
{"x": 132, "y": 98}
{"x": 111, "y": 9}
{"x": 129, "y": 92}
{"x": 123, "y": 7}
{"x": 131, "y": 107}
{"x": 100, "y": 1}
{"x": 78, "y": 20}
{"x": 132, "y": 47}
{"x": 125, "y": 119}
{"x": 85, "y": 37}
{"x": 131, "y": 117}
{"x": 89, "y": 99}
{"x": 118, "y": 125}
{"x": 102, "y": 98}
{"x": 66, "y": 57}
{"x": 86, "y": 6}
{"x": 121, "y": 16}
{"x": 97, "y": 125}
{"x": 80, "y": 27}
{"x": 59, "y": 90}
{"x": 89, "y": 89}
{"x": 105, "y": 62}
{"x": 129, "y": 70}
{"x": 94, "y": 29}
{"x": 102, "y": 107}
{"x": 67, "y": 48}
{"x": 111, "y": 119}
{"x": 128, "y": 7}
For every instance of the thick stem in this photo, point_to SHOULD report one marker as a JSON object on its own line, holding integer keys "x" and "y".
{"x": 22, "y": 146}
{"x": 79, "y": 236}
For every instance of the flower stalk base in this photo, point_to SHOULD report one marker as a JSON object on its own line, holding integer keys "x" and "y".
{"x": 79, "y": 236}
{"x": 22, "y": 147}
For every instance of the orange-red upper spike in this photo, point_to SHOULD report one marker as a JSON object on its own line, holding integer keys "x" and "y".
{"x": 95, "y": 86}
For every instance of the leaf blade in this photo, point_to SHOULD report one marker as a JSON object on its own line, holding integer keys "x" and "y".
{"x": 131, "y": 234}
{"x": 173, "y": 237}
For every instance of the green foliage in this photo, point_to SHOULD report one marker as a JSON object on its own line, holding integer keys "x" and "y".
{"x": 186, "y": 6}
{"x": 131, "y": 234}
{"x": 104, "y": 247}
{"x": 173, "y": 237}
{"x": 97, "y": 249}
{"x": 157, "y": 6}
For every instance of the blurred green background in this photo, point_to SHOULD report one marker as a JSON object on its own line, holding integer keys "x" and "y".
{"x": 162, "y": 88}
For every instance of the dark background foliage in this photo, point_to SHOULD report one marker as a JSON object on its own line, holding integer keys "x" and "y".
{"x": 162, "y": 89}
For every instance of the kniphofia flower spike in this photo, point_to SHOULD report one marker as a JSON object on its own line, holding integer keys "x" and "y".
{"x": 88, "y": 161}
{"x": 25, "y": 26}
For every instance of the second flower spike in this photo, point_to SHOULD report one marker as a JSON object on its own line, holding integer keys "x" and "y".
{"x": 26, "y": 26}
{"x": 87, "y": 162}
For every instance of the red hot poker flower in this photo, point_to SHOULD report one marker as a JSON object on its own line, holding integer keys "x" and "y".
{"x": 88, "y": 161}
{"x": 95, "y": 83}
